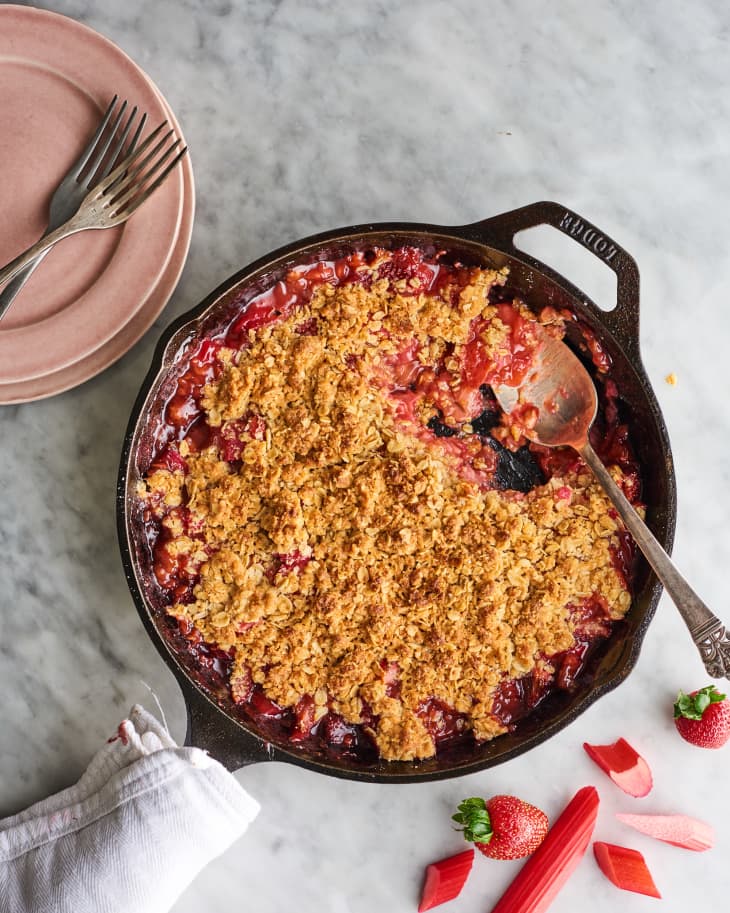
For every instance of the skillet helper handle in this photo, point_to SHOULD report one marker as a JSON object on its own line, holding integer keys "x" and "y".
{"x": 210, "y": 729}
{"x": 623, "y": 321}
{"x": 707, "y": 631}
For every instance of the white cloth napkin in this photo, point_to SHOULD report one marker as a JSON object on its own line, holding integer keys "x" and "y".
{"x": 129, "y": 837}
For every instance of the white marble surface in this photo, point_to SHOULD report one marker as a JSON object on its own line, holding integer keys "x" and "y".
{"x": 302, "y": 116}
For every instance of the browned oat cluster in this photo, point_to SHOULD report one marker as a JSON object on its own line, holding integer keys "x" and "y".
{"x": 411, "y": 564}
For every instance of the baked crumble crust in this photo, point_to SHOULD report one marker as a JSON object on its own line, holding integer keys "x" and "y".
{"x": 412, "y": 581}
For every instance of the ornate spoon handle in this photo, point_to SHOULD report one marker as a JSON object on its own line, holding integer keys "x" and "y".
{"x": 708, "y": 632}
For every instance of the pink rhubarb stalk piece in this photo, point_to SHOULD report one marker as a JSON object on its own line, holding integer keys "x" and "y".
{"x": 679, "y": 830}
{"x": 625, "y": 868}
{"x": 553, "y": 862}
{"x": 445, "y": 879}
{"x": 624, "y": 765}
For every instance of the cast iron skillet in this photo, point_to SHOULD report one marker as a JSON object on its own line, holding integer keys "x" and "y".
{"x": 212, "y": 721}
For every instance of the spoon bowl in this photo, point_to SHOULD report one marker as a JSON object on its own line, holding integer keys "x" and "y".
{"x": 561, "y": 390}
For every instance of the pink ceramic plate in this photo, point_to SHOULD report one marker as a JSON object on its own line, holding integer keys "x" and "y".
{"x": 131, "y": 332}
{"x": 56, "y": 78}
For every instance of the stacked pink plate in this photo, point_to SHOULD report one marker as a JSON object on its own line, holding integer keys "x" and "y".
{"x": 98, "y": 292}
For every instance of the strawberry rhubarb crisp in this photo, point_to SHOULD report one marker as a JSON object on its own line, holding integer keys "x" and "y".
{"x": 343, "y": 523}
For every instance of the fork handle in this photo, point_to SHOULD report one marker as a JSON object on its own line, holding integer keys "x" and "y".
{"x": 13, "y": 288}
{"x": 707, "y": 631}
{"x": 40, "y": 247}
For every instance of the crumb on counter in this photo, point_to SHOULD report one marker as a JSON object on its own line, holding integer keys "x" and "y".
{"x": 671, "y": 379}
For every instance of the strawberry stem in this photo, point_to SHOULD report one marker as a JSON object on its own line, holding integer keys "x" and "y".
{"x": 692, "y": 706}
{"x": 473, "y": 815}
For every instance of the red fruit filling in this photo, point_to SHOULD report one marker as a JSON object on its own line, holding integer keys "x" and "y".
{"x": 286, "y": 564}
{"x": 516, "y": 698}
{"x": 442, "y": 721}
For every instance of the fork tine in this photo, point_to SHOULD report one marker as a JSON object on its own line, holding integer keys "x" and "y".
{"x": 134, "y": 187}
{"x": 119, "y": 145}
{"x": 112, "y": 178}
{"x": 137, "y": 133}
{"x": 128, "y": 210}
{"x": 132, "y": 146}
{"x": 102, "y": 148}
{"x": 132, "y": 176}
{"x": 80, "y": 164}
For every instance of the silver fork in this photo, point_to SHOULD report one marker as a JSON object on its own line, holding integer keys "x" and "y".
{"x": 113, "y": 200}
{"x": 71, "y": 191}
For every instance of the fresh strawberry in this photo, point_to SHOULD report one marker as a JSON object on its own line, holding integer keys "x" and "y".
{"x": 625, "y": 868}
{"x": 445, "y": 879}
{"x": 503, "y": 827}
{"x": 624, "y": 765}
{"x": 702, "y": 718}
{"x": 679, "y": 830}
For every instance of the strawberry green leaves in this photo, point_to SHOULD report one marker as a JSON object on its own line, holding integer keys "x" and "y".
{"x": 692, "y": 706}
{"x": 473, "y": 815}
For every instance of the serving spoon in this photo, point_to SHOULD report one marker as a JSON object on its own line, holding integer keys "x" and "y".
{"x": 564, "y": 395}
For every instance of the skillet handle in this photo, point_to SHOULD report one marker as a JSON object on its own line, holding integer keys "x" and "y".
{"x": 210, "y": 729}
{"x": 623, "y": 321}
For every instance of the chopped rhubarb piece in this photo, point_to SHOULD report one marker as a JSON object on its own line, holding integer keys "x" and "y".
{"x": 445, "y": 879}
{"x": 624, "y": 765}
{"x": 442, "y": 721}
{"x": 171, "y": 460}
{"x": 262, "y": 705}
{"x": 679, "y": 830}
{"x": 625, "y": 868}
{"x": 546, "y": 871}
{"x": 303, "y": 718}
{"x": 338, "y": 732}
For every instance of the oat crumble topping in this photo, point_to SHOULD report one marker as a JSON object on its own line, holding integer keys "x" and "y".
{"x": 347, "y": 555}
